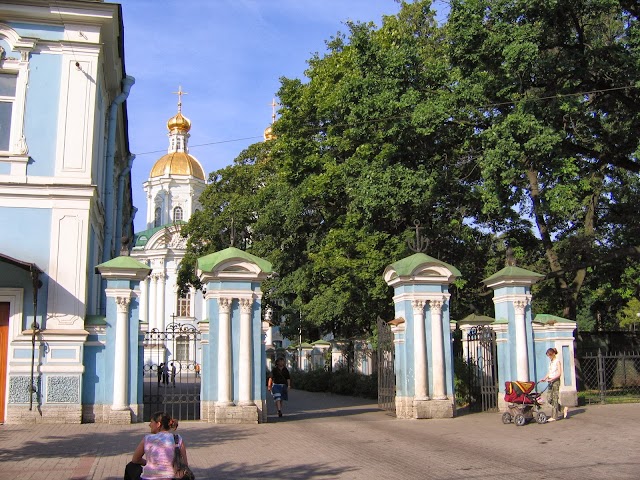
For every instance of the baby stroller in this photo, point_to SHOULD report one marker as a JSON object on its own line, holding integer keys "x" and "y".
{"x": 524, "y": 403}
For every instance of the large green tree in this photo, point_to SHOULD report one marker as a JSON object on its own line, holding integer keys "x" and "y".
{"x": 513, "y": 125}
{"x": 557, "y": 116}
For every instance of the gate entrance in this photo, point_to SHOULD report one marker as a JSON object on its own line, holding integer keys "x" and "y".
{"x": 482, "y": 365}
{"x": 386, "y": 370}
{"x": 172, "y": 376}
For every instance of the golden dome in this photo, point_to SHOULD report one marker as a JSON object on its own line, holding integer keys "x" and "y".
{"x": 179, "y": 122}
{"x": 177, "y": 163}
{"x": 268, "y": 133}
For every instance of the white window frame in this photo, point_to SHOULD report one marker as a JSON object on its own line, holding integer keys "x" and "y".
{"x": 17, "y": 155}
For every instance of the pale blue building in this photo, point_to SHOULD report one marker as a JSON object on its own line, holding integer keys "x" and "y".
{"x": 65, "y": 191}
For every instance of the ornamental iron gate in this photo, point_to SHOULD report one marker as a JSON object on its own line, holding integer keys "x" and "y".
{"x": 386, "y": 370}
{"x": 172, "y": 362}
{"x": 482, "y": 369}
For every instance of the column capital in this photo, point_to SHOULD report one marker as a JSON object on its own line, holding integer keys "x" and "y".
{"x": 245, "y": 305}
{"x": 436, "y": 305}
{"x": 224, "y": 303}
{"x": 123, "y": 304}
{"x": 417, "y": 304}
{"x": 520, "y": 305}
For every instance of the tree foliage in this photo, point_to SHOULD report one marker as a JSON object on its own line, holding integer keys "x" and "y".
{"x": 515, "y": 123}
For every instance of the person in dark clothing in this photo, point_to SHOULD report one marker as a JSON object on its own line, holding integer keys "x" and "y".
{"x": 160, "y": 370}
{"x": 279, "y": 383}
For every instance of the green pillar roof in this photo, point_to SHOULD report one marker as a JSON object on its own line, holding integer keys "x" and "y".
{"x": 209, "y": 262}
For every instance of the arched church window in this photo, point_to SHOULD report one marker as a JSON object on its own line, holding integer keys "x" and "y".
{"x": 184, "y": 305}
{"x": 177, "y": 214}
{"x": 156, "y": 217}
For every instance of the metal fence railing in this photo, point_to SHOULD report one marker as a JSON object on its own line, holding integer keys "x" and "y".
{"x": 609, "y": 378}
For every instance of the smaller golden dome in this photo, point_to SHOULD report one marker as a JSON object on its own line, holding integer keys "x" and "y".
{"x": 268, "y": 134}
{"x": 179, "y": 122}
{"x": 177, "y": 163}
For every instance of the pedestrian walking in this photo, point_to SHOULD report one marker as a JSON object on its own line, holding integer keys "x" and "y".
{"x": 279, "y": 384}
{"x": 173, "y": 375}
{"x": 553, "y": 377}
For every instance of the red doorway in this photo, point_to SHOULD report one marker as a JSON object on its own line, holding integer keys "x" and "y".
{"x": 4, "y": 354}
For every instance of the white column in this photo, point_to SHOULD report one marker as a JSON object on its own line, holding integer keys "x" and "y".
{"x": 120, "y": 374}
{"x": 522, "y": 357}
{"x": 224, "y": 352}
{"x": 437, "y": 350}
{"x": 161, "y": 299}
{"x": 144, "y": 299}
{"x": 153, "y": 302}
{"x": 419, "y": 351}
{"x": 246, "y": 352}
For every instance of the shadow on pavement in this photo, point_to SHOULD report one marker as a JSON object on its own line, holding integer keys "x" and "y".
{"x": 267, "y": 470}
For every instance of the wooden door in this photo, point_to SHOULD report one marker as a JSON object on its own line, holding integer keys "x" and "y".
{"x": 4, "y": 354}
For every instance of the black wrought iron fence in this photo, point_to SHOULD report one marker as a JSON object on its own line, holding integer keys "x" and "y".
{"x": 609, "y": 378}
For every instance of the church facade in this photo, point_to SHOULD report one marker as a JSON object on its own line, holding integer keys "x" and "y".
{"x": 172, "y": 190}
{"x": 65, "y": 188}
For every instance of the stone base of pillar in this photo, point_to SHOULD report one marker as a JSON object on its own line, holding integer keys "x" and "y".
{"x": 43, "y": 414}
{"x": 120, "y": 417}
{"x": 95, "y": 413}
{"x": 404, "y": 407}
{"x": 569, "y": 398}
{"x": 236, "y": 414}
{"x": 433, "y": 408}
{"x": 207, "y": 411}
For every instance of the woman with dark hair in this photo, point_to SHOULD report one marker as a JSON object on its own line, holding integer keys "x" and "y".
{"x": 158, "y": 449}
{"x": 553, "y": 377}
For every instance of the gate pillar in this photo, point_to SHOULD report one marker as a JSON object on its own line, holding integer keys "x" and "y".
{"x": 117, "y": 398}
{"x": 424, "y": 385}
{"x": 233, "y": 366}
{"x": 513, "y": 326}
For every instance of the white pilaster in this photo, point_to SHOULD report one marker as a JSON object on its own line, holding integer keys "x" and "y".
{"x": 120, "y": 376}
{"x": 161, "y": 292}
{"x": 144, "y": 302}
{"x": 224, "y": 352}
{"x": 153, "y": 302}
{"x": 522, "y": 357}
{"x": 420, "y": 351}
{"x": 437, "y": 349}
{"x": 246, "y": 352}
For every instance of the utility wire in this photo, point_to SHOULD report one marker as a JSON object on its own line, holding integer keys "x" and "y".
{"x": 405, "y": 116}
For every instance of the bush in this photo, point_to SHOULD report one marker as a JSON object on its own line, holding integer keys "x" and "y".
{"x": 340, "y": 382}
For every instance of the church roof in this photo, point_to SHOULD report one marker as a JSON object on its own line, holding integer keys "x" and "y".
{"x": 177, "y": 163}
{"x": 140, "y": 239}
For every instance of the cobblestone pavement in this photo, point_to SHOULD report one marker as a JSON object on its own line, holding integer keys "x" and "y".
{"x": 325, "y": 436}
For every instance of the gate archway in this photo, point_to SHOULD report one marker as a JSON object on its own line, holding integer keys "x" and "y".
{"x": 482, "y": 380}
{"x": 172, "y": 380}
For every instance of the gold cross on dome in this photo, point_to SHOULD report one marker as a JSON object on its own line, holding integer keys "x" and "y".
{"x": 180, "y": 93}
{"x": 273, "y": 105}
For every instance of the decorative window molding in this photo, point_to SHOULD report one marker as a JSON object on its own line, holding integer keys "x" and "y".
{"x": 14, "y": 149}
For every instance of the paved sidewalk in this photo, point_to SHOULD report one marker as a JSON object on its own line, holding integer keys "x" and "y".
{"x": 326, "y": 436}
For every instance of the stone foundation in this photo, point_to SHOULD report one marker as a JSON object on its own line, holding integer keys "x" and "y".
{"x": 120, "y": 417}
{"x": 20, "y": 414}
{"x": 236, "y": 414}
{"x": 433, "y": 408}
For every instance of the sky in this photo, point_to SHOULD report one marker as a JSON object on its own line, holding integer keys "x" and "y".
{"x": 228, "y": 56}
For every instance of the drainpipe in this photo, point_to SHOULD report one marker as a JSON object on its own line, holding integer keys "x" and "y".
{"x": 127, "y": 83}
{"x": 120, "y": 202}
{"x": 36, "y": 283}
